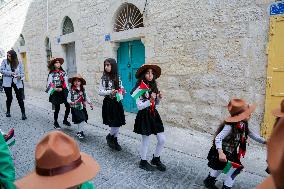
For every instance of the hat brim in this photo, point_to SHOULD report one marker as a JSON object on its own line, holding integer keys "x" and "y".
{"x": 85, "y": 172}
{"x": 268, "y": 183}
{"x": 83, "y": 81}
{"x": 144, "y": 67}
{"x": 242, "y": 116}
{"x": 277, "y": 113}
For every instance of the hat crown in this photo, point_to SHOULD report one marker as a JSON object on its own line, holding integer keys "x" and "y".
{"x": 237, "y": 106}
{"x": 55, "y": 150}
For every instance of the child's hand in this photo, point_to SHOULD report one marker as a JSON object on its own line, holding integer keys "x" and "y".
{"x": 160, "y": 96}
{"x": 114, "y": 91}
{"x": 92, "y": 106}
{"x": 222, "y": 157}
{"x": 153, "y": 96}
{"x": 123, "y": 91}
{"x": 72, "y": 103}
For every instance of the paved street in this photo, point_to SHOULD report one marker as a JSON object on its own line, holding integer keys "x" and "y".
{"x": 184, "y": 155}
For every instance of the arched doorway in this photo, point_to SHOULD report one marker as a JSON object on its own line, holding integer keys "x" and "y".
{"x": 130, "y": 54}
{"x": 69, "y": 48}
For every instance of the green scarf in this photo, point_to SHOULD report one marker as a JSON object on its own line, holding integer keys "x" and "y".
{"x": 7, "y": 170}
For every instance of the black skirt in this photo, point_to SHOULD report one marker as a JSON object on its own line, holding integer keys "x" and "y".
{"x": 59, "y": 97}
{"x": 79, "y": 116}
{"x": 147, "y": 123}
{"x": 113, "y": 112}
{"x": 216, "y": 164}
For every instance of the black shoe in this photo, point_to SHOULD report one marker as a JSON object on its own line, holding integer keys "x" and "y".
{"x": 110, "y": 141}
{"x": 209, "y": 182}
{"x": 146, "y": 166}
{"x": 80, "y": 135}
{"x": 24, "y": 117}
{"x": 226, "y": 187}
{"x": 116, "y": 145}
{"x": 157, "y": 161}
{"x": 8, "y": 114}
{"x": 56, "y": 125}
{"x": 67, "y": 123}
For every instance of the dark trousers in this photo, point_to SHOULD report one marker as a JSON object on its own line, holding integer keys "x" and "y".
{"x": 19, "y": 96}
{"x": 1, "y": 87}
{"x": 57, "y": 109}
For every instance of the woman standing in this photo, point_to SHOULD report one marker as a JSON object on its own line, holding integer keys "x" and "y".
{"x": 13, "y": 76}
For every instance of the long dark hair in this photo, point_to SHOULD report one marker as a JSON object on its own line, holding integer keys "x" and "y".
{"x": 113, "y": 74}
{"x": 152, "y": 84}
{"x": 14, "y": 59}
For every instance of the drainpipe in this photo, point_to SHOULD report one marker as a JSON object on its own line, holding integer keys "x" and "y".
{"x": 47, "y": 16}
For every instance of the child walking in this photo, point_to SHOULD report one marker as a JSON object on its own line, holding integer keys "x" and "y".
{"x": 77, "y": 98}
{"x": 57, "y": 89}
{"x": 148, "y": 120}
{"x": 229, "y": 144}
{"x": 112, "y": 110}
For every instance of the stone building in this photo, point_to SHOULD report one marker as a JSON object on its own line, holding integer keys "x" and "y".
{"x": 209, "y": 51}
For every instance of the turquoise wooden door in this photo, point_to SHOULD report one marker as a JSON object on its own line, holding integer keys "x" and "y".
{"x": 130, "y": 56}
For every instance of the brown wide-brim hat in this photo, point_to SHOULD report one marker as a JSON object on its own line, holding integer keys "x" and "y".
{"x": 77, "y": 76}
{"x": 85, "y": 172}
{"x": 279, "y": 112}
{"x": 145, "y": 67}
{"x": 59, "y": 164}
{"x": 239, "y": 110}
{"x": 53, "y": 60}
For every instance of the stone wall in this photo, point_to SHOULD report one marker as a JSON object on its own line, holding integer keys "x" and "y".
{"x": 209, "y": 51}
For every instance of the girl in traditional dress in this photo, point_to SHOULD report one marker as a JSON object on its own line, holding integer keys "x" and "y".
{"x": 57, "y": 88}
{"x": 77, "y": 98}
{"x": 148, "y": 120}
{"x": 112, "y": 110}
{"x": 229, "y": 145}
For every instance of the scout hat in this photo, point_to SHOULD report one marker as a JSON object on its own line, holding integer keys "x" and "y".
{"x": 275, "y": 151}
{"x": 59, "y": 164}
{"x": 53, "y": 60}
{"x": 279, "y": 112}
{"x": 77, "y": 76}
{"x": 145, "y": 67}
{"x": 239, "y": 110}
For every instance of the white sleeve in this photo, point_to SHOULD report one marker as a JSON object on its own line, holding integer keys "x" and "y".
{"x": 142, "y": 104}
{"x": 69, "y": 97}
{"x": 66, "y": 80}
{"x": 102, "y": 90}
{"x": 223, "y": 134}
{"x": 256, "y": 137}
{"x": 88, "y": 98}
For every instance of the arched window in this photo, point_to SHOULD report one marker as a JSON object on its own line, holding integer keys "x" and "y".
{"x": 48, "y": 49}
{"x": 22, "y": 40}
{"x": 128, "y": 17}
{"x": 67, "y": 26}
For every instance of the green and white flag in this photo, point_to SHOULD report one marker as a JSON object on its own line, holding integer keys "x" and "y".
{"x": 119, "y": 95}
{"x": 143, "y": 88}
{"x": 231, "y": 165}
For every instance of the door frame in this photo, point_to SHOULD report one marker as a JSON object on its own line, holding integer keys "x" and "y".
{"x": 268, "y": 121}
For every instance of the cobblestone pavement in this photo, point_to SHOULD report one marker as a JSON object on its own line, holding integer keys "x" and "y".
{"x": 184, "y": 154}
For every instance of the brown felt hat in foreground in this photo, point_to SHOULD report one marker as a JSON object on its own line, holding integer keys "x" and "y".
{"x": 59, "y": 164}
